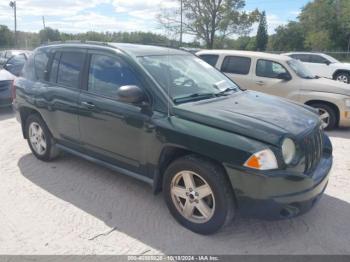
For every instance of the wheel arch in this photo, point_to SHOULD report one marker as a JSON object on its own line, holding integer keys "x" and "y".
{"x": 332, "y": 105}
{"x": 171, "y": 153}
{"x": 340, "y": 71}
{"x": 25, "y": 112}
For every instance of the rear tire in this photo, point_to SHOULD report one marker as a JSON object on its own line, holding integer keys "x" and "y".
{"x": 40, "y": 139}
{"x": 327, "y": 114}
{"x": 211, "y": 198}
{"x": 343, "y": 77}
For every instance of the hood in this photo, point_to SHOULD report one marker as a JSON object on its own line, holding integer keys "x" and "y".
{"x": 6, "y": 75}
{"x": 341, "y": 65}
{"x": 251, "y": 114}
{"x": 326, "y": 85}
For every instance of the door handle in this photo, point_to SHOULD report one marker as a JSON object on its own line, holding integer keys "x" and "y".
{"x": 88, "y": 105}
{"x": 260, "y": 83}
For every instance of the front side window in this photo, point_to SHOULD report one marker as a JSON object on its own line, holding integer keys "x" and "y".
{"x": 15, "y": 64}
{"x": 270, "y": 69}
{"x": 70, "y": 66}
{"x": 236, "y": 65}
{"x": 210, "y": 59}
{"x": 186, "y": 78}
{"x": 317, "y": 59}
{"x": 107, "y": 74}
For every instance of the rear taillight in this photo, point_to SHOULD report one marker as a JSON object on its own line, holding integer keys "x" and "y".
{"x": 13, "y": 90}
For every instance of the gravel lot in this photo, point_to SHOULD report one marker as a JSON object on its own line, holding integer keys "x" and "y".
{"x": 71, "y": 206}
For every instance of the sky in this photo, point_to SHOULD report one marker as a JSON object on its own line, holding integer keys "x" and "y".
{"x": 74, "y": 16}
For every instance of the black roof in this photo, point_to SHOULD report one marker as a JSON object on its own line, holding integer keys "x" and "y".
{"x": 131, "y": 49}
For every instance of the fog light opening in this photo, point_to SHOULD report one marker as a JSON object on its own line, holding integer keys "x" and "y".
{"x": 289, "y": 211}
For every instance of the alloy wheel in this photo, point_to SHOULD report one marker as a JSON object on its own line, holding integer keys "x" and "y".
{"x": 343, "y": 78}
{"x": 37, "y": 138}
{"x": 324, "y": 116}
{"x": 193, "y": 197}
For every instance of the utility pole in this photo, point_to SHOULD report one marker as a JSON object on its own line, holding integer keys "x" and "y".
{"x": 14, "y": 6}
{"x": 181, "y": 11}
{"x": 44, "y": 22}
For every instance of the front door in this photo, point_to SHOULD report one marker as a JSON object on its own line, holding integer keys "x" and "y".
{"x": 111, "y": 130}
{"x": 266, "y": 79}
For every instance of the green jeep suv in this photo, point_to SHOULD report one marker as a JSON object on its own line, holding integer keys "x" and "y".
{"x": 168, "y": 118}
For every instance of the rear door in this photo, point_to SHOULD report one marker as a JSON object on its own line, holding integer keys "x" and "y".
{"x": 62, "y": 95}
{"x": 111, "y": 130}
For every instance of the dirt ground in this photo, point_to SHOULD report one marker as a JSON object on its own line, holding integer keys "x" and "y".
{"x": 72, "y": 206}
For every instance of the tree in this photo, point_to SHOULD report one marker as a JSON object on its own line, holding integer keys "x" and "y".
{"x": 211, "y": 20}
{"x": 262, "y": 36}
{"x": 5, "y": 36}
{"x": 326, "y": 20}
{"x": 48, "y": 34}
{"x": 290, "y": 37}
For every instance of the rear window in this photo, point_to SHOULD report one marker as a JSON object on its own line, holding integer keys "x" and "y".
{"x": 210, "y": 59}
{"x": 40, "y": 62}
{"x": 69, "y": 68}
{"x": 236, "y": 65}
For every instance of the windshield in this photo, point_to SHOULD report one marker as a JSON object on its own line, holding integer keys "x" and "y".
{"x": 300, "y": 69}
{"x": 186, "y": 77}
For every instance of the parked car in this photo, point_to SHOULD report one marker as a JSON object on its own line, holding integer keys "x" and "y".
{"x": 7, "y": 54}
{"x": 10, "y": 71}
{"x": 324, "y": 65}
{"x": 169, "y": 119}
{"x": 285, "y": 77}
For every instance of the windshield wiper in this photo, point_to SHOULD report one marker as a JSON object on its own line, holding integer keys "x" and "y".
{"x": 194, "y": 97}
{"x": 223, "y": 92}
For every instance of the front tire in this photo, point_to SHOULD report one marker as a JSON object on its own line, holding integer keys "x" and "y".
{"x": 343, "y": 77}
{"x": 198, "y": 194}
{"x": 40, "y": 139}
{"x": 327, "y": 114}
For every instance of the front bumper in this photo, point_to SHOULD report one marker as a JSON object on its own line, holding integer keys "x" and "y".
{"x": 279, "y": 194}
{"x": 344, "y": 118}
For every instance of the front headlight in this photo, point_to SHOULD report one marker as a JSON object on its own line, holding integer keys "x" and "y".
{"x": 288, "y": 150}
{"x": 262, "y": 160}
{"x": 347, "y": 102}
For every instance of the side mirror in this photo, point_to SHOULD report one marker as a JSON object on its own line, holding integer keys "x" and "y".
{"x": 327, "y": 62}
{"x": 130, "y": 94}
{"x": 284, "y": 76}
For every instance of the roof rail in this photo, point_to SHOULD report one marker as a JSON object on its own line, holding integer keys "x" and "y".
{"x": 76, "y": 42}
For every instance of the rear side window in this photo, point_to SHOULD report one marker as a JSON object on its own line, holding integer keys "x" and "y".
{"x": 40, "y": 61}
{"x": 236, "y": 65}
{"x": 69, "y": 68}
{"x": 107, "y": 74}
{"x": 270, "y": 69}
{"x": 210, "y": 59}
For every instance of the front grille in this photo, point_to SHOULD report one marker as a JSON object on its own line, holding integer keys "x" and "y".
{"x": 313, "y": 145}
